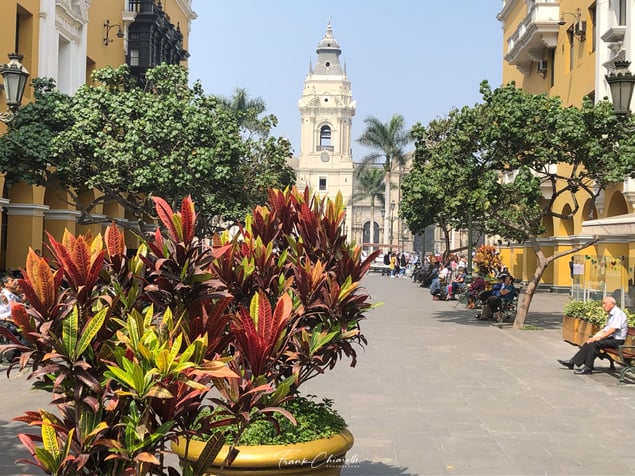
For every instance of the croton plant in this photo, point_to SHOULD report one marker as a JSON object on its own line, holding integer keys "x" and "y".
{"x": 133, "y": 348}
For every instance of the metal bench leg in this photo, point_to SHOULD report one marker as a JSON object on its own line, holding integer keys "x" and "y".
{"x": 624, "y": 371}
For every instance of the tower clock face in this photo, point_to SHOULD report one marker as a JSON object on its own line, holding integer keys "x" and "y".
{"x": 324, "y": 157}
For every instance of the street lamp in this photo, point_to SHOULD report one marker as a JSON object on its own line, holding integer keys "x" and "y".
{"x": 621, "y": 82}
{"x": 14, "y": 76}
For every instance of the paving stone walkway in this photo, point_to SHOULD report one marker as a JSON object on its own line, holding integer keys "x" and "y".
{"x": 437, "y": 392}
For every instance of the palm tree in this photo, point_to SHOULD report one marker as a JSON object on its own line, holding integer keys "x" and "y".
{"x": 247, "y": 109}
{"x": 370, "y": 184}
{"x": 389, "y": 141}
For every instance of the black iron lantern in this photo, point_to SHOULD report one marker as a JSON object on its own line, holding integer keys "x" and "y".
{"x": 621, "y": 82}
{"x": 14, "y": 77}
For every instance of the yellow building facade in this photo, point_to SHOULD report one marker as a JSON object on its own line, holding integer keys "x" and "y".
{"x": 67, "y": 40}
{"x": 565, "y": 48}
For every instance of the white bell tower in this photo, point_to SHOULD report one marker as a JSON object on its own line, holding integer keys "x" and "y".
{"x": 327, "y": 109}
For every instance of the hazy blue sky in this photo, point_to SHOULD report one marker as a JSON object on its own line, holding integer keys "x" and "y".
{"x": 417, "y": 58}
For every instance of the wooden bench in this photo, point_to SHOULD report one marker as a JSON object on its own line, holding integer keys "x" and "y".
{"x": 624, "y": 354}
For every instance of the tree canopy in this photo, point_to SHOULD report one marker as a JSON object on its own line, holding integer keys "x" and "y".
{"x": 512, "y": 162}
{"x": 387, "y": 142}
{"x": 129, "y": 143}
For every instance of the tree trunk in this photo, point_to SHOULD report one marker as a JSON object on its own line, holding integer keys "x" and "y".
{"x": 525, "y": 301}
{"x": 446, "y": 238}
{"x": 388, "y": 214}
{"x": 542, "y": 263}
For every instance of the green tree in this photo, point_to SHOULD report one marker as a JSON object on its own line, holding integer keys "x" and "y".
{"x": 370, "y": 185}
{"x": 25, "y": 148}
{"x": 168, "y": 139}
{"x": 531, "y": 154}
{"x": 388, "y": 141}
{"x": 247, "y": 111}
{"x": 446, "y": 185}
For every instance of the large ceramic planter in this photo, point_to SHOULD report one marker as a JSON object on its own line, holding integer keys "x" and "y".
{"x": 323, "y": 457}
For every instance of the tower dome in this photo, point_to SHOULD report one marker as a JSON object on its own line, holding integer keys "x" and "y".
{"x": 328, "y": 50}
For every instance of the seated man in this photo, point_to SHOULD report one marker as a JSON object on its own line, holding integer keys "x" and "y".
{"x": 493, "y": 304}
{"x": 9, "y": 293}
{"x": 610, "y": 336}
{"x": 457, "y": 281}
{"x": 435, "y": 287}
{"x": 474, "y": 290}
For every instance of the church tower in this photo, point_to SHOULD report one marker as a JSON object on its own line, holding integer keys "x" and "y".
{"x": 327, "y": 109}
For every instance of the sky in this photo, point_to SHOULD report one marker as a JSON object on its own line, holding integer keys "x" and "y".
{"x": 417, "y": 58}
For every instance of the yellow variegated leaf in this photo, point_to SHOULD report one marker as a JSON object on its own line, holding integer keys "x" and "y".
{"x": 69, "y": 333}
{"x": 49, "y": 437}
{"x": 91, "y": 329}
{"x": 96, "y": 246}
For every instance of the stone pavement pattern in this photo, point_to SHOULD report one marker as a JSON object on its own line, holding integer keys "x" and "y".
{"x": 436, "y": 392}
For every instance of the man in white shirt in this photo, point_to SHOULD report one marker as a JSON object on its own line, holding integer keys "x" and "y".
{"x": 9, "y": 293}
{"x": 610, "y": 336}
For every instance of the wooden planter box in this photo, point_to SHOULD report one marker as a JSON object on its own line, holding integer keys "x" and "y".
{"x": 577, "y": 331}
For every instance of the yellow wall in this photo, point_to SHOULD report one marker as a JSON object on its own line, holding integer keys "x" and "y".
{"x": 33, "y": 210}
{"x": 573, "y": 71}
{"x": 28, "y": 38}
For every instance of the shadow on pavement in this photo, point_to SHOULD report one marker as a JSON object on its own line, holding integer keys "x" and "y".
{"x": 369, "y": 468}
{"x": 12, "y": 449}
{"x": 544, "y": 320}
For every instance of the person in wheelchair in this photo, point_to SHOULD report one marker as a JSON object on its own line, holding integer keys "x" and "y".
{"x": 505, "y": 294}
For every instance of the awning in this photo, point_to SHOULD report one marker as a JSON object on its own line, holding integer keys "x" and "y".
{"x": 611, "y": 226}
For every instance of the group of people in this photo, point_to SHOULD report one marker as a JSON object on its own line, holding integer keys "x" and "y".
{"x": 398, "y": 263}
{"x": 445, "y": 284}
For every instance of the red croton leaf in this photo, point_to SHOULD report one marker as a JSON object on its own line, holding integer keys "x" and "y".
{"x": 115, "y": 241}
{"x": 259, "y": 331}
{"x": 81, "y": 266}
{"x": 188, "y": 219}
{"x": 39, "y": 284}
{"x": 165, "y": 213}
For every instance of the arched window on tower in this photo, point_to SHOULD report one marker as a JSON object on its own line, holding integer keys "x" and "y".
{"x": 325, "y": 139}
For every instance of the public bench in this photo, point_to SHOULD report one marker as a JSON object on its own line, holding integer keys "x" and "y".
{"x": 384, "y": 269}
{"x": 624, "y": 354}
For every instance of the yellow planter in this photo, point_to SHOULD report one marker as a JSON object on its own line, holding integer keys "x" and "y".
{"x": 323, "y": 457}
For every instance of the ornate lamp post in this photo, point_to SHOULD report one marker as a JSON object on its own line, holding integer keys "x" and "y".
{"x": 14, "y": 77}
{"x": 621, "y": 82}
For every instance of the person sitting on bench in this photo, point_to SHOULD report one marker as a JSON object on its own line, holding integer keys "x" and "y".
{"x": 500, "y": 297}
{"x": 610, "y": 336}
{"x": 474, "y": 290}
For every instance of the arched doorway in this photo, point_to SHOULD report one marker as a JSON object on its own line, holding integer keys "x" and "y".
{"x": 366, "y": 238}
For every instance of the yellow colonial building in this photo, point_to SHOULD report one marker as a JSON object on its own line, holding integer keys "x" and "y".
{"x": 566, "y": 48}
{"x": 67, "y": 40}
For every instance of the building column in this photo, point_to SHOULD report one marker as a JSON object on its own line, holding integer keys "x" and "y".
{"x": 59, "y": 220}
{"x": 25, "y": 225}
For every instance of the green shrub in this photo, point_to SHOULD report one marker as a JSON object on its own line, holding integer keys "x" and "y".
{"x": 592, "y": 311}
{"x": 315, "y": 420}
